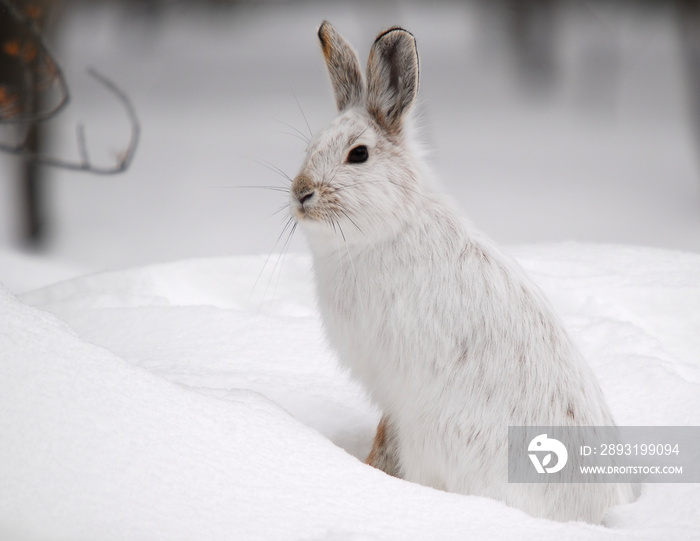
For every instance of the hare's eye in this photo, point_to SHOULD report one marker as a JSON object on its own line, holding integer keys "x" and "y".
{"x": 359, "y": 154}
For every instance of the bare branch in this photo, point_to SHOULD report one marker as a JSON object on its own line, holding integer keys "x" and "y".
{"x": 123, "y": 159}
{"x": 40, "y": 71}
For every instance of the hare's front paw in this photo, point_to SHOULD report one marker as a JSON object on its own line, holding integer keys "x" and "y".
{"x": 384, "y": 454}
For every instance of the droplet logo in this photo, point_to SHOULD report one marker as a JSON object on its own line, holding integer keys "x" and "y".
{"x": 543, "y": 444}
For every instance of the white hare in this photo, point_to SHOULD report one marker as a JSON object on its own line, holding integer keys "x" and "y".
{"x": 450, "y": 337}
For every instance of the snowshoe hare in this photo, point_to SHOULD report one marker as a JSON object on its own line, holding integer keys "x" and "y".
{"x": 450, "y": 337}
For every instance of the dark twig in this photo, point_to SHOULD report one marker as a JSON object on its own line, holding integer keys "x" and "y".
{"x": 41, "y": 72}
{"x": 124, "y": 158}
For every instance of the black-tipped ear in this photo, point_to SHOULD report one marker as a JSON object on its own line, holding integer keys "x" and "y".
{"x": 343, "y": 67}
{"x": 392, "y": 77}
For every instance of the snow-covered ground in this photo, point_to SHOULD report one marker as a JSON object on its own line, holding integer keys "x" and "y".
{"x": 196, "y": 399}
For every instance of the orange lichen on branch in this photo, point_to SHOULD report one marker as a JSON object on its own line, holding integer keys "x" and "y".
{"x": 27, "y": 51}
{"x": 9, "y": 104}
{"x": 11, "y": 47}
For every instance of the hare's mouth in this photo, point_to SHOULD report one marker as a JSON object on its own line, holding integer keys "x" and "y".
{"x": 314, "y": 202}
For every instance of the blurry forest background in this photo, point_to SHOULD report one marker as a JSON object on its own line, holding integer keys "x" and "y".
{"x": 547, "y": 120}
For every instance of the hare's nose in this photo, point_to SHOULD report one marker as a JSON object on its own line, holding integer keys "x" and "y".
{"x": 303, "y": 189}
{"x": 305, "y": 197}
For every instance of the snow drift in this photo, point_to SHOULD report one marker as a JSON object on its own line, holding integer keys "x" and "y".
{"x": 197, "y": 400}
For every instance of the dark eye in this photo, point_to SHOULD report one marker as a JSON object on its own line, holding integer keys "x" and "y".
{"x": 359, "y": 154}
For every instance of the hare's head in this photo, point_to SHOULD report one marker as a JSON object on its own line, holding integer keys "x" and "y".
{"x": 359, "y": 180}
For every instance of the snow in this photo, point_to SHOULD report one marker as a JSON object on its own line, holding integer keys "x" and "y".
{"x": 197, "y": 400}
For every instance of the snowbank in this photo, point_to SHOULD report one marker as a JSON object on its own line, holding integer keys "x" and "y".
{"x": 196, "y": 400}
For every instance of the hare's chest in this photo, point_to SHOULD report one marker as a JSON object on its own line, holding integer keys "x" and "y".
{"x": 377, "y": 322}
{"x": 357, "y": 304}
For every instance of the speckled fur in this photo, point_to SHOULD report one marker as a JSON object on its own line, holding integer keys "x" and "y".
{"x": 448, "y": 334}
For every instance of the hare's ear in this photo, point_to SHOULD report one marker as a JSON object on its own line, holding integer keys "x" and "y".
{"x": 392, "y": 77}
{"x": 343, "y": 67}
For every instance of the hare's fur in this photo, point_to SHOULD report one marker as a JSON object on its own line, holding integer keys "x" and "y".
{"x": 448, "y": 334}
